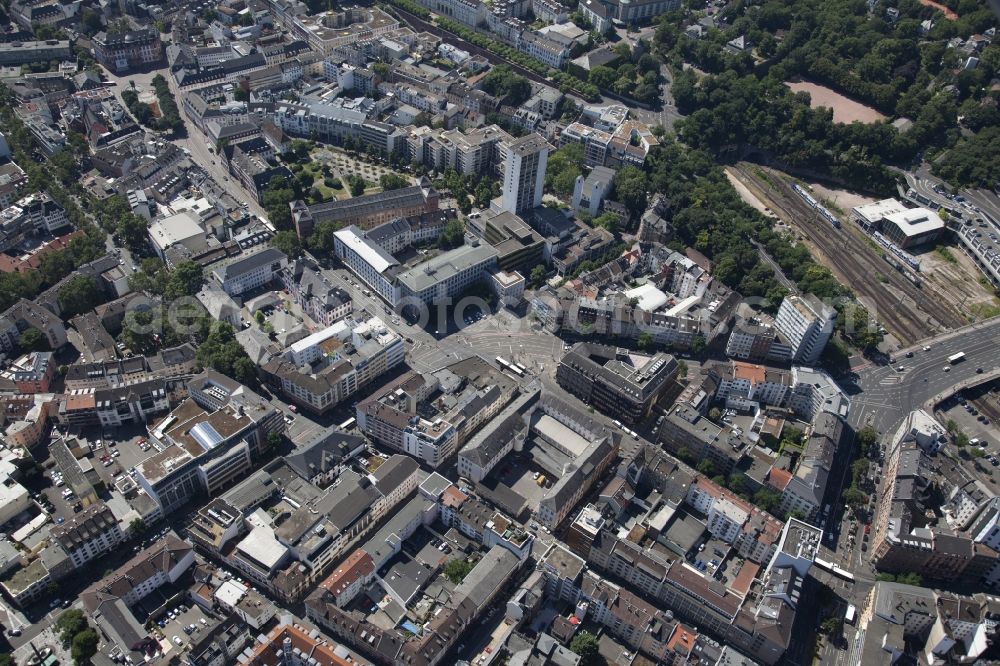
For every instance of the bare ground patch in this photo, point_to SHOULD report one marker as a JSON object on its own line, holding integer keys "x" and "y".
{"x": 840, "y": 201}
{"x": 954, "y": 277}
{"x": 845, "y": 109}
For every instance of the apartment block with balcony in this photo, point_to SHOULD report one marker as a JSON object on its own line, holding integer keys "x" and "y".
{"x": 89, "y": 534}
{"x": 807, "y": 324}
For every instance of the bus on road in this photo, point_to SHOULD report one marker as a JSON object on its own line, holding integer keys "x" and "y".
{"x": 955, "y": 358}
{"x": 851, "y": 614}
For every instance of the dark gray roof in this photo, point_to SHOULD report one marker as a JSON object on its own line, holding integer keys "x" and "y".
{"x": 391, "y": 474}
{"x": 352, "y": 502}
{"x": 339, "y": 210}
{"x": 250, "y": 263}
{"x": 487, "y": 576}
{"x": 327, "y": 449}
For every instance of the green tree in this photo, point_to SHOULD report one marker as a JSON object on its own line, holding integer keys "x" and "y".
{"x": 6, "y": 659}
{"x": 706, "y": 467}
{"x": 562, "y": 168}
{"x": 645, "y": 340}
{"x": 288, "y": 242}
{"x": 137, "y": 527}
{"x": 854, "y": 498}
{"x": 503, "y": 82}
{"x": 392, "y": 181}
{"x": 301, "y": 149}
{"x": 868, "y": 438}
{"x": 602, "y": 77}
{"x": 137, "y": 331}
{"x": 69, "y": 624}
{"x": 356, "y": 185}
{"x": 274, "y": 439}
{"x": 91, "y": 22}
{"x": 630, "y": 187}
{"x": 715, "y": 414}
{"x": 276, "y": 200}
{"x": 453, "y": 234}
{"x": 80, "y": 294}
{"x": 537, "y": 276}
{"x": 608, "y": 221}
{"x": 585, "y": 644}
{"x": 859, "y": 469}
{"x": 221, "y": 352}
{"x": 32, "y": 340}
{"x": 831, "y": 626}
{"x": 971, "y": 162}
{"x": 767, "y": 499}
{"x": 321, "y": 240}
{"x": 84, "y": 646}
{"x": 457, "y": 570}
{"x": 133, "y": 231}
{"x": 185, "y": 280}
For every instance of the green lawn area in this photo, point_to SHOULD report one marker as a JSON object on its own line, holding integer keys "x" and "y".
{"x": 314, "y": 169}
{"x": 348, "y": 164}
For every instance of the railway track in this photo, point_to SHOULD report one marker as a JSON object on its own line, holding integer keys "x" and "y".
{"x": 910, "y": 317}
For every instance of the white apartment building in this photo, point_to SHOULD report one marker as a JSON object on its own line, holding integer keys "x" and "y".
{"x": 509, "y": 287}
{"x": 89, "y": 534}
{"x": 596, "y": 142}
{"x": 742, "y": 384}
{"x": 807, "y": 324}
{"x": 524, "y": 173}
{"x": 469, "y": 12}
{"x": 541, "y": 48}
{"x": 725, "y": 520}
{"x": 367, "y": 260}
{"x": 433, "y": 442}
{"x": 815, "y": 392}
{"x": 35, "y": 212}
{"x": 251, "y": 272}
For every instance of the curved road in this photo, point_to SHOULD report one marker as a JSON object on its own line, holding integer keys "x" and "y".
{"x": 882, "y": 395}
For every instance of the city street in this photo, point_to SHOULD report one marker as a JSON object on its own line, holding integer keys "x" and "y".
{"x": 923, "y": 182}
{"x": 668, "y": 113}
{"x": 882, "y": 395}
